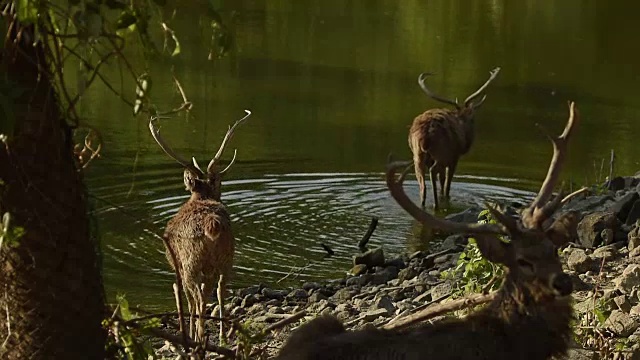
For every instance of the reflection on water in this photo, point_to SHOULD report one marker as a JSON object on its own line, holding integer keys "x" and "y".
{"x": 279, "y": 220}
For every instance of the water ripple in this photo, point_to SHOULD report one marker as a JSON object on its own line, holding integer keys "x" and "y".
{"x": 280, "y": 222}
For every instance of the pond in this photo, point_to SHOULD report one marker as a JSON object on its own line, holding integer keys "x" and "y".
{"x": 333, "y": 90}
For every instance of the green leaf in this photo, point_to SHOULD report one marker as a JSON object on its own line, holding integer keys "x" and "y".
{"x": 125, "y": 20}
{"x": 124, "y": 307}
{"x": 28, "y": 11}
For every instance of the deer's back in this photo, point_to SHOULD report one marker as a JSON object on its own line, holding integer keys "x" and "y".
{"x": 485, "y": 337}
{"x": 442, "y": 134}
{"x": 200, "y": 234}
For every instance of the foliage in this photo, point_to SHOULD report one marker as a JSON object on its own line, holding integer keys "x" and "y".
{"x": 9, "y": 235}
{"x": 124, "y": 341}
{"x": 473, "y": 272}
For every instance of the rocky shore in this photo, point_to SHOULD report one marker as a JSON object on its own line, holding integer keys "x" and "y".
{"x": 603, "y": 261}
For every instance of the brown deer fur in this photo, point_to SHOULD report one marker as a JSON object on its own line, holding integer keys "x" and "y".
{"x": 439, "y": 137}
{"x": 529, "y": 319}
{"x": 200, "y": 233}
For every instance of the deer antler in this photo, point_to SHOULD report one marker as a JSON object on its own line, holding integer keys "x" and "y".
{"x": 395, "y": 187}
{"x": 493, "y": 73}
{"x": 227, "y": 136}
{"x": 155, "y": 132}
{"x": 432, "y": 95}
{"x": 537, "y": 212}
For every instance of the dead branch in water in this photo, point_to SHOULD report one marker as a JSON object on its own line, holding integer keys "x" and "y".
{"x": 365, "y": 239}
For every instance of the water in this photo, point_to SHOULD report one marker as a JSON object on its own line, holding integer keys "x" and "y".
{"x": 333, "y": 89}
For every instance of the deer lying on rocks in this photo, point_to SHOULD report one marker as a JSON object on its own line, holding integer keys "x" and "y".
{"x": 200, "y": 232}
{"x": 529, "y": 317}
{"x": 439, "y": 137}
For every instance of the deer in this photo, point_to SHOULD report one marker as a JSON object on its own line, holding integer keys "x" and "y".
{"x": 530, "y": 314}
{"x": 200, "y": 232}
{"x": 439, "y": 137}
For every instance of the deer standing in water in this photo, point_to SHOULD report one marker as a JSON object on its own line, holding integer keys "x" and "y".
{"x": 200, "y": 233}
{"x": 439, "y": 137}
{"x": 529, "y": 318}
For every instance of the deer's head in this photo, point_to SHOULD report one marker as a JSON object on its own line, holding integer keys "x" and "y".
{"x": 531, "y": 254}
{"x": 201, "y": 184}
{"x": 469, "y": 106}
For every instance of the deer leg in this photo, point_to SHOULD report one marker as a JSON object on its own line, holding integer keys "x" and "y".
{"x": 450, "y": 171}
{"x": 442, "y": 178}
{"x": 419, "y": 164}
{"x": 201, "y": 304}
{"x": 432, "y": 174}
{"x": 220, "y": 293}
{"x": 190, "y": 306}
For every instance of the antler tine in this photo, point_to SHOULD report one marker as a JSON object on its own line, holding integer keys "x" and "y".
{"x": 397, "y": 192}
{"x": 493, "y": 73}
{"x": 432, "y": 95}
{"x": 235, "y": 152}
{"x": 533, "y": 216}
{"x": 227, "y": 137}
{"x": 155, "y": 132}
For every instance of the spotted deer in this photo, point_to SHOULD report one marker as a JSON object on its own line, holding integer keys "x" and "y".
{"x": 200, "y": 232}
{"x": 528, "y": 319}
{"x": 439, "y": 137}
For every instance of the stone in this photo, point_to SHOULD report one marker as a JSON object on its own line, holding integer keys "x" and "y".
{"x": 635, "y": 252}
{"x": 608, "y": 250}
{"x": 407, "y": 274}
{"x": 634, "y": 213}
{"x": 249, "y": 300}
{"x": 319, "y": 306}
{"x": 310, "y": 286}
{"x": 629, "y": 279}
{"x": 622, "y": 303}
{"x": 316, "y": 297}
{"x": 383, "y": 276}
{"x": 371, "y": 315}
{"x": 273, "y": 302}
{"x": 273, "y": 294}
{"x": 358, "y": 269}
{"x": 589, "y": 204}
{"x": 623, "y": 205}
{"x": 360, "y": 280}
{"x": 617, "y": 183}
{"x": 579, "y": 261}
{"x": 344, "y": 294}
{"x": 581, "y": 354}
{"x": 634, "y": 242}
{"x": 441, "y": 290}
{"x": 416, "y": 255}
{"x": 298, "y": 294}
{"x": 469, "y": 215}
{"x": 442, "y": 259}
{"x": 591, "y": 227}
{"x": 454, "y": 241}
{"x": 635, "y": 310}
{"x": 385, "y": 302}
{"x": 621, "y": 323}
{"x": 371, "y": 258}
{"x": 251, "y": 290}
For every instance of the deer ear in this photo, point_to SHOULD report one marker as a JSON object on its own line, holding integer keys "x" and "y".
{"x": 564, "y": 228}
{"x": 492, "y": 248}
{"x": 189, "y": 179}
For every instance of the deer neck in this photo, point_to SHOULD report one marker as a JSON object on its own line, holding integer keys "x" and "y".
{"x": 200, "y": 196}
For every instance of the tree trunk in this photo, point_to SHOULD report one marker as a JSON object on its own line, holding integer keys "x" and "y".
{"x": 50, "y": 283}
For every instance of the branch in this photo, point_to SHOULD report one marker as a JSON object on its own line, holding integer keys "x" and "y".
{"x": 439, "y": 309}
